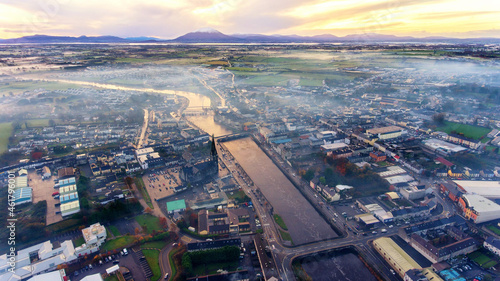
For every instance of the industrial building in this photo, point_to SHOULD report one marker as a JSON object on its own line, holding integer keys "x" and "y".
{"x": 385, "y": 133}
{"x": 395, "y": 256}
{"x": 488, "y": 189}
{"x": 478, "y": 208}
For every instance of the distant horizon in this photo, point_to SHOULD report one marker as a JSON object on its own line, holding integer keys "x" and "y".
{"x": 170, "y": 18}
{"x": 242, "y": 34}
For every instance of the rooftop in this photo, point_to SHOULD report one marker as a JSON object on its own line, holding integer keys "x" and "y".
{"x": 177, "y": 205}
{"x": 384, "y": 130}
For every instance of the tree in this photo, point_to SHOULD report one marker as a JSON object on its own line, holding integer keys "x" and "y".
{"x": 137, "y": 231}
{"x": 309, "y": 175}
{"x": 148, "y": 210}
{"x": 439, "y": 118}
{"x": 163, "y": 222}
{"x": 52, "y": 123}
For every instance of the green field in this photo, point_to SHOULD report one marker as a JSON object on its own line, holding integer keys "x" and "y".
{"x": 470, "y": 131}
{"x": 17, "y": 87}
{"x": 113, "y": 229}
{"x": 37, "y": 123}
{"x": 139, "y": 183}
{"x": 279, "y": 220}
{"x": 482, "y": 259}
{"x": 151, "y": 222}
{"x": 117, "y": 243}
{"x": 493, "y": 228}
{"x": 286, "y": 236}
{"x": 78, "y": 241}
{"x": 152, "y": 256}
{"x": 156, "y": 245}
{"x": 5, "y": 133}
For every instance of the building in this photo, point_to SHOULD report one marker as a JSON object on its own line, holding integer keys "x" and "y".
{"x": 425, "y": 274}
{"x": 442, "y": 147}
{"x": 412, "y": 192}
{"x": 213, "y": 223}
{"x": 367, "y": 220}
{"x": 70, "y": 208}
{"x": 37, "y": 259}
{"x": 478, "y": 208}
{"x": 385, "y": 133}
{"x": 94, "y": 235}
{"x": 451, "y": 190}
{"x": 405, "y": 213}
{"x": 493, "y": 245}
{"x": 57, "y": 275}
{"x": 176, "y": 206}
{"x": 67, "y": 172}
{"x": 210, "y": 245}
{"x": 437, "y": 254}
{"x": 46, "y": 172}
{"x": 378, "y": 156}
{"x": 488, "y": 189}
{"x": 395, "y": 256}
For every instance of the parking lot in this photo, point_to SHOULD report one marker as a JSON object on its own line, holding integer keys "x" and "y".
{"x": 161, "y": 183}
{"x": 42, "y": 190}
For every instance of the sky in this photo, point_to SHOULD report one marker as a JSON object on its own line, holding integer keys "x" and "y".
{"x": 172, "y": 18}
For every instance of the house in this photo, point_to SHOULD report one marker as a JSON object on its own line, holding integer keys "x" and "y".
{"x": 493, "y": 245}
{"x": 450, "y": 189}
{"x": 213, "y": 223}
{"x": 378, "y": 156}
{"x": 46, "y": 172}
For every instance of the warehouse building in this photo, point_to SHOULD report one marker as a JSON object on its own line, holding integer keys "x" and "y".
{"x": 385, "y": 133}
{"x": 478, "y": 208}
{"x": 395, "y": 256}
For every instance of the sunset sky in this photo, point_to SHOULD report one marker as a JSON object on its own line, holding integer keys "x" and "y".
{"x": 172, "y": 18}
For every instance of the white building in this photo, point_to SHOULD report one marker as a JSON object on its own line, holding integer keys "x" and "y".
{"x": 36, "y": 259}
{"x": 57, "y": 275}
{"x": 94, "y": 236}
{"x": 493, "y": 245}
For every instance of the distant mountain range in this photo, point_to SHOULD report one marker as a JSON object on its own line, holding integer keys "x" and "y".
{"x": 209, "y": 35}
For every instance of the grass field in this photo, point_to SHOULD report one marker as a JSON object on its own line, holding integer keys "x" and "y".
{"x": 279, "y": 220}
{"x": 151, "y": 222}
{"x": 139, "y": 183}
{"x": 286, "y": 236}
{"x": 17, "y": 87}
{"x": 117, "y": 243}
{"x": 113, "y": 229}
{"x": 239, "y": 196}
{"x": 78, "y": 241}
{"x": 493, "y": 228}
{"x": 5, "y": 133}
{"x": 37, "y": 123}
{"x": 470, "y": 131}
{"x": 156, "y": 245}
{"x": 482, "y": 259}
{"x": 112, "y": 278}
{"x": 152, "y": 256}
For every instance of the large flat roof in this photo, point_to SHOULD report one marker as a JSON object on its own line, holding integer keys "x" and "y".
{"x": 481, "y": 204}
{"x": 446, "y": 146}
{"x": 384, "y": 130}
{"x": 396, "y": 253}
{"x": 488, "y": 189}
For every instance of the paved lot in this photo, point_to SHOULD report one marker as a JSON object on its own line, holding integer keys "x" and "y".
{"x": 161, "y": 183}
{"x": 42, "y": 190}
{"x": 129, "y": 261}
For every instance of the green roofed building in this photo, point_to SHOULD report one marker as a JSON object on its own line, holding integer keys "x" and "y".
{"x": 176, "y": 206}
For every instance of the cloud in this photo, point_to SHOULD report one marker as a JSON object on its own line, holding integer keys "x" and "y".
{"x": 172, "y": 18}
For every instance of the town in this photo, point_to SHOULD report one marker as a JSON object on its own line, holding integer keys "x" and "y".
{"x": 260, "y": 162}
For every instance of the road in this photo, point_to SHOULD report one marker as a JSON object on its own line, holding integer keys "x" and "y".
{"x": 142, "y": 137}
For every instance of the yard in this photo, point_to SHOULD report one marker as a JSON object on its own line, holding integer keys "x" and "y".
{"x": 238, "y": 196}
{"x": 117, "y": 243}
{"x": 211, "y": 268}
{"x": 493, "y": 228}
{"x": 151, "y": 222}
{"x": 286, "y": 236}
{"x": 113, "y": 229}
{"x": 154, "y": 245}
{"x": 78, "y": 241}
{"x": 152, "y": 256}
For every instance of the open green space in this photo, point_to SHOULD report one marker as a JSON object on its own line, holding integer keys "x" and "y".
{"x": 482, "y": 259}
{"x": 5, "y": 133}
{"x": 152, "y": 256}
{"x": 154, "y": 245}
{"x": 470, "y": 131}
{"x": 78, "y": 241}
{"x": 239, "y": 196}
{"x": 285, "y": 236}
{"x": 279, "y": 220}
{"x": 112, "y": 278}
{"x": 37, "y": 123}
{"x": 16, "y": 87}
{"x": 211, "y": 268}
{"x": 493, "y": 228}
{"x": 139, "y": 183}
{"x": 113, "y": 229}
{"x": 151, "y": 222}
{"x": 117, "y": 243}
